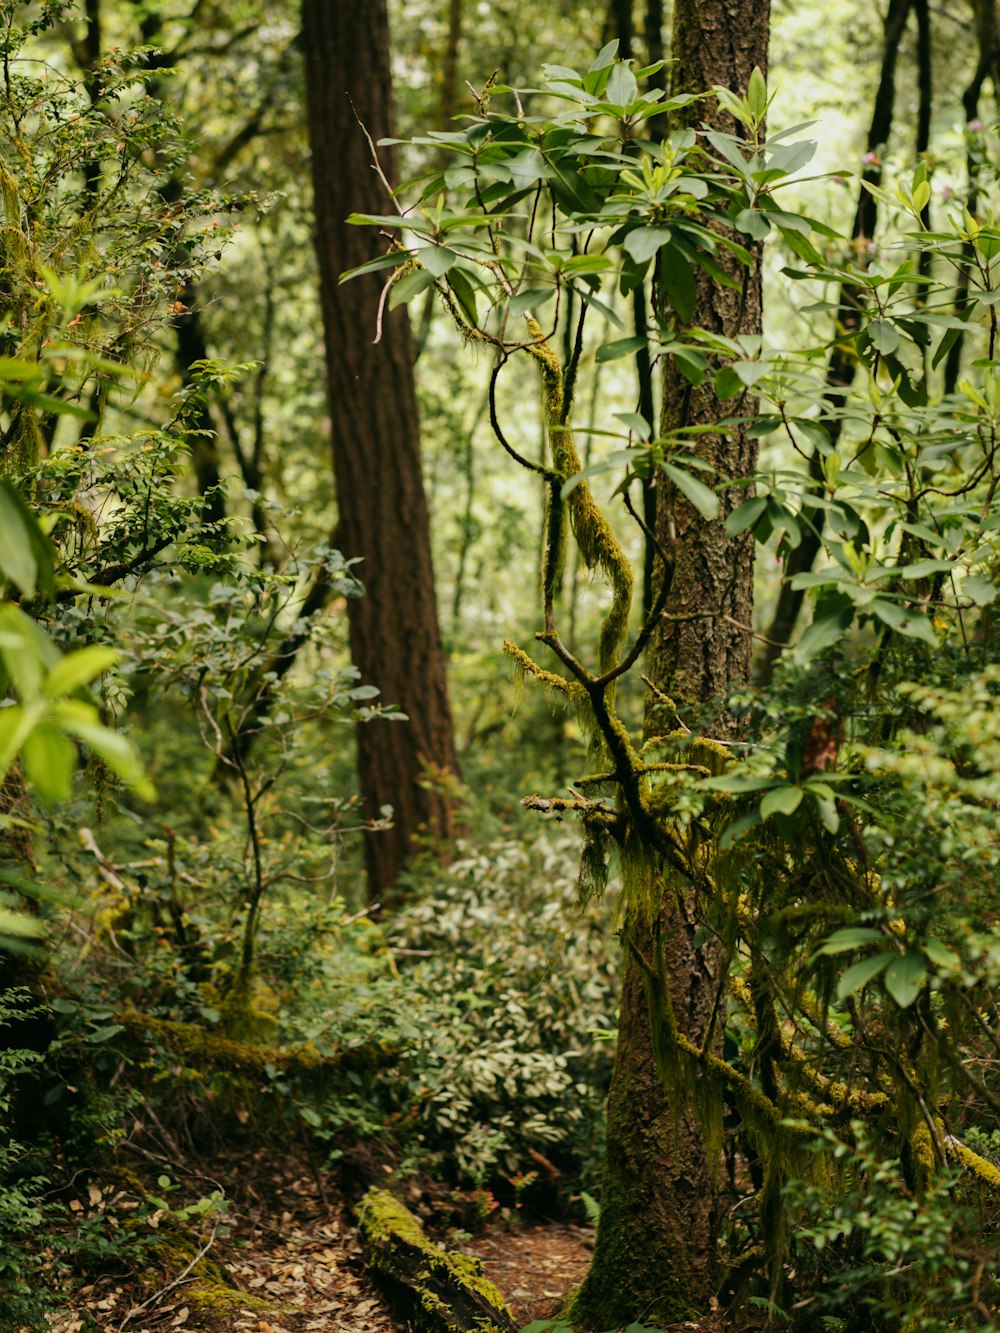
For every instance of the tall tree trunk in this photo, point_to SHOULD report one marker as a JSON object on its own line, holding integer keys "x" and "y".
{"x": 395, "y": 640}
{"x": 656, "y": 1255}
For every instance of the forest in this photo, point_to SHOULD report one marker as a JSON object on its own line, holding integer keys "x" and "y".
{"x": 499, "y": 682}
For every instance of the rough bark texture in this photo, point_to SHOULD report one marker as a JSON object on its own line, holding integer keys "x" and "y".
{"x": 438, "y": 1291}
{"x": 395, "y": 641}
{"x": 656, "y": 1258}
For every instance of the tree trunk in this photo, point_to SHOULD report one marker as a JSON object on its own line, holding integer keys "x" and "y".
{"x": 395, "y": 641}
{"x": 656, "y": 1256}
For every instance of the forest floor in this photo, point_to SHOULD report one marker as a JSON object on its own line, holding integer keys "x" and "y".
{"x": 287, "y": 1260}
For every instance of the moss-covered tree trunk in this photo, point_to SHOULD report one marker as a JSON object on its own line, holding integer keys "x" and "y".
{"x": 656, "y": 1257}
{"x": 383, "y": 519}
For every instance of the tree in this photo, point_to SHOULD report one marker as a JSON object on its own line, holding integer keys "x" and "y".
{"x": 759, "y": 836}
{"x": 383, "y": 520}
{"x": 655, "y": 1255}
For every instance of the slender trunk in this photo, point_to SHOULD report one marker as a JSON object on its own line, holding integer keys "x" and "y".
{"x": 395, "y": 640}
{"x": 843, "y": 364}
{"x": 987, "y": 66}
{"x": 656, "y": 1257}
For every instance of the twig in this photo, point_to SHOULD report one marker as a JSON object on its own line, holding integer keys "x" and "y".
{"x": 158, "y": 1296}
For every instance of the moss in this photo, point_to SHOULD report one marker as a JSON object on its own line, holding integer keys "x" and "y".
{"x": 445, "y": 1292}
{"x": 214, "y": 1299}
{"x": 210, "y": 1051}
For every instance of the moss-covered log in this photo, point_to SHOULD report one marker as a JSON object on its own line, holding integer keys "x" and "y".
{"x": 209, "y": 1051}
{"x": 438, "y": 1290}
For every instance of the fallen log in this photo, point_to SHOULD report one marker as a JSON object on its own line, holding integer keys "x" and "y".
{"x": 440, "y": 1291}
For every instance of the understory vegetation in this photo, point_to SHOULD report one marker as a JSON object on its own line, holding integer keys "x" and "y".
{"x": 696, "y": 932}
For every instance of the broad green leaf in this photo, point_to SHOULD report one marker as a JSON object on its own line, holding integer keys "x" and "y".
{"x": 825, "y": 632}
{"x": 49, "y": 763}
{"x": 781, "y": 801}
{"x": 676, "y": 277}
{"x": 939, "y": 954}
{"x": 851, "y": 937}
{"x": 622, "y": 347}
{"x": 859, "y": 974}
{"x": 436, "y": 259}
{"x": 409, "y": 286}
{"x": 622, "y": 87}
{"x": 643, "y": 242}
{"x": 704, "y": 500}
{"x": 465, "y": 295}
{"x": 904, "y": 976}
{"x": 981, "y": 591}
{"x": 77, "y": 669}
{"x": 884, "y": 336}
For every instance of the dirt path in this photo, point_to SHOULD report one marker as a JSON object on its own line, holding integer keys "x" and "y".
{"x": 287, "y": 1260}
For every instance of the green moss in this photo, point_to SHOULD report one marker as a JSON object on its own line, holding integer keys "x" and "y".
{"x": 408, "y": 1260}
{"x": 209, "y": 1299}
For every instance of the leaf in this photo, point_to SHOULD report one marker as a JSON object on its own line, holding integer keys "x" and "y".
{"x": 77, "y": 669}
{"x": 436, "y": 259}
{"x": 850, "y": 938}
{"x": 465, "y": 295}
{"x": 676, "y": 277}
{"x": 605, "y": 56}
{"x": 824, "y": 632}
{"x": 884, "y": 336}
{"x": 532, "y": 299}
{"x": 939, "y": 954}
{"x": 981, "y": 591}
{"x": 27, "y": 556}
{"x": 701, "y": 496}
{"x": 781, "y": 801}
{"x": 643, "y": 242}
{"x": 621, "y": 347}
{"x": 904, "y": 977}
{"x": 409, "y": 286}
{"x": 49, "y": 761}
{"x": 757, "y": 94}
{"x": 622, "y": 87}
{"x": 859, "y": 974}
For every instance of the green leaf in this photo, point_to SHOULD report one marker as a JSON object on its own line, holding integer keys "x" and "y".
{"x": 49, "y": 762}
{"x": 859, "y": 974}
{"x": 605, "y": 56}
{"x": 27, "y": 556}
{"x": 465, "y": 295}
{"x": 532, "y": 299}
{"x": 622, "y": 87}
{"x": 727, "y": 384}
{"x": 757, "y": 94}
{"x": 704, "y": 500}
{"x": 981, "y": 591}
{"x": 621, "y": 347}
{"x": 409, "y": 286}
{"x": 939, "y": 954}
{"x": 824, "y": 632}
{"x": 643, "y": 242}
{"x": 781, "y": 801}
{"x": 436, "y": 259}
{"x": 904, "y": 977}
{"x": 676, "y": 278}
{"x": 850, "y": 938}
{"x": 77, "y": 669}
{"x": 884, "y": 336}
{"x": 912, "y": 624}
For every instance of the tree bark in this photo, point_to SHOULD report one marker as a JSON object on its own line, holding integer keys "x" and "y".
{"x": 656, "y": 1257}
{"x": 383, "y": 519}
